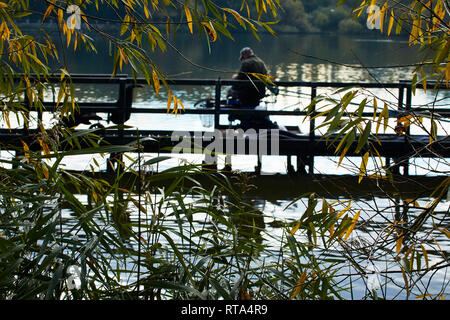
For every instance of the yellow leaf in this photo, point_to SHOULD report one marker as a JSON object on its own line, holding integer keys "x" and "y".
{"x": 295, "y": 228}
{"x": 406, "y": 281}
{"x": 121, "y": 58}
{"x": 331, "y": 230}
{"x": 94, "y": 195}
{"x": 446, "y": 232}
{"x": 423, "y": 296}
{"x": 211, "y": 31}
{"x": 343, "y": 154}
{"x": 147, "y": 15}
{"x": 380, "y": 117}
{"x": 26, "y": 149}
{"x": 3, "y": 5}
{"x": 76, "y": 42}
{"x": 63, "y": 74}
{"x": 409, "y": 251}
{"x": 352, "y": 226}
{"x": 382, "y": 14}
{"x": 427, "y": 5}
{"x": 144, "y": 241}
{"x": 425, "y": 255}
{"x": 243, "y": 294}
{"x": 44, "y": 171}
{"x": 375, "y": 107}
{"x": 386, "y": 117}
{"x": 156, "y": 82}
{"x": 125, "y": 25}
{"x": 447, "y": 73}
{"x": 344, "y": 211}
{"x": 189, "y": 19}
{"x": 44, "y": 146}
{"x": 168, "y": 26}
{"x": 391, "y": 22}
{"x": 405, "y": 120}
{"x": 236, "y": 15}
{"x": 181, "y": 104}
{"x": 264, "y": 6}
{"x": 69, "y": 35}
{"x": 83, "y": 16}
{"x": 175, "y": 105}
{"x": 60, "y": 16}
{"x": 362, "y": 168}
{"x": 299, "y": 285}
{"x": 47, "y": 12}
{"x": 414, "y": 32}
{"x": 169, "y": 101}
{"x": 138, "y": 205}
{"x": 60, "y": 94}
{"x": 398, "y": 243}
{"x": 155, "y": 3}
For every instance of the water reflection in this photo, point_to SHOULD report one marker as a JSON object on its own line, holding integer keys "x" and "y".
{"x": 287, "y": 56}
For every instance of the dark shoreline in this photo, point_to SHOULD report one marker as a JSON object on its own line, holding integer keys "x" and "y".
{"x": 372, "y": 34}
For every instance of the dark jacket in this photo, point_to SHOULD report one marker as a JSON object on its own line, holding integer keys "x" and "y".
{"x": 250, "y": 94}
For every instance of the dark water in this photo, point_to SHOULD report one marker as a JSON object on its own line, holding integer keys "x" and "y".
{"x": 288, "y": 57}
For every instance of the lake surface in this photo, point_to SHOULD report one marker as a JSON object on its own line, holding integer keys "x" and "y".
{"x": 287, "y": 56}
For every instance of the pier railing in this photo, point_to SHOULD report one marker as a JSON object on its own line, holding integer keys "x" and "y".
{"x": 305, "y": 147}
{"x": 122, "y": 81}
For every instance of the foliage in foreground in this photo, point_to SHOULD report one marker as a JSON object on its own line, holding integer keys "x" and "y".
{"x": 186, "y": 240}
{"x": 170, "y": 235}
{"x": 181, "y": 241}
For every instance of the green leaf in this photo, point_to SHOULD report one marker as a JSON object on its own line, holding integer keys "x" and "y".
{"x": 361, "y": 107}
{"x": 363, "y": 166}
{"x": 363, "y": 138}
{"x": 156, "y": 160}
{"x": 125, "y": 25}
{"x": 56, "y": 279}
{"x": 443, "y": 53}
{"x": 348, "y": 97}
{"x": 350, "y": 138}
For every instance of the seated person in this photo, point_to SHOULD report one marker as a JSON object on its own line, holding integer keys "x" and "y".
{"x": 248, "y": 95}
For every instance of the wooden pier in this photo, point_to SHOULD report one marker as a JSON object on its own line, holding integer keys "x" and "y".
{"x": 304, "y": 147}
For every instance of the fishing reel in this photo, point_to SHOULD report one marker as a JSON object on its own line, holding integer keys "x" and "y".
{"x": 206, "y": 103}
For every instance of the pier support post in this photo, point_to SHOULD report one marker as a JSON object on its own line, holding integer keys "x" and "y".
{"x": 217, "y": 104}
{"x": 290, "y": 168}
{"x": 312, "y": 138}
{"x": 258, "y": 166}
{"x": 301, "y": 165}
